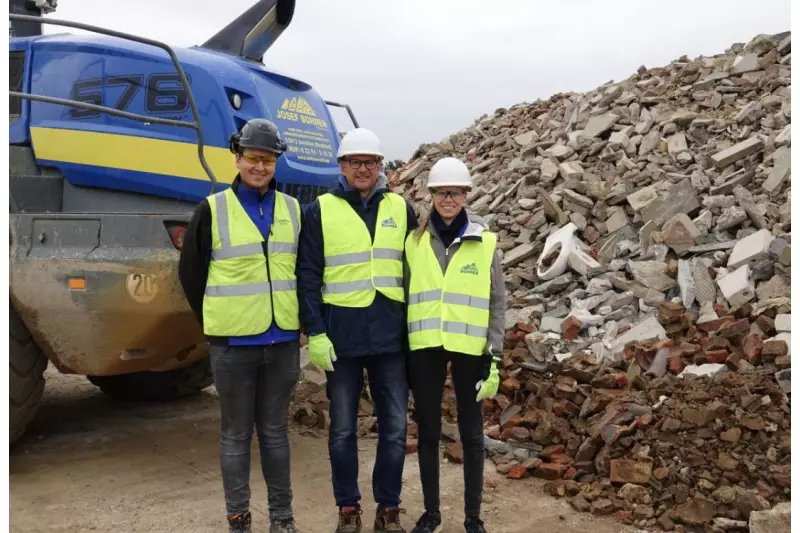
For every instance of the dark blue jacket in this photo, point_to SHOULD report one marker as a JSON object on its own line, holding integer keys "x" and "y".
{"x": 196, "y": 256}
{"x": 354, "y": 332}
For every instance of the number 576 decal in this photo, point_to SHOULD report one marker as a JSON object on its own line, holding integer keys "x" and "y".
{"x": 164, "y": 93}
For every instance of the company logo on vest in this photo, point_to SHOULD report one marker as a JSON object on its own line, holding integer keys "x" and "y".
{"x": 471, "y": 268}
{"x": 389, "y": 223}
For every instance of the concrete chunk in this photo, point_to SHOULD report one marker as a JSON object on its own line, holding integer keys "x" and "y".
{"x": 775, "y": 520}
{"x": 750, "y": 249}
{"x": 783, "y": 323}
{"x": 680, "y": 198}
{"x": 647, "y": 329}
{"x": 745, "y": 63}
{"x": 597, "y": 125}
{"x": 549, "y": 170}
{"x": 570, "y": 170}
{"x": 680, "y": 233}
{"x": 582, "y": 263}
{"x": 552, "y": 324}
{"x": 782, "y": 161}
{"x": 639, "y": 199}
{"x": 677, "y": 144}
{"x": 617, "y": 220}
{"x": 518, "y": 254}
{"x": 736, "y": 287}
{"x": 736, "y": 152}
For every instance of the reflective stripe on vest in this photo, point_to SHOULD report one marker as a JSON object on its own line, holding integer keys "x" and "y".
{"x": 241, "y": 292}
{"x": 356, "y": 265}
{"x": 451, "y": 309}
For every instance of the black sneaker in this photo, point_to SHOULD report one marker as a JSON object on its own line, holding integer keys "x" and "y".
{"x": 388, "y": 520}
{"x": 282, "y": 525}
{"x": 349, "y": 520}
{"x": 474, "y": 525}
{"x": 429, "y": 522}
{"x": 240, "y": 523}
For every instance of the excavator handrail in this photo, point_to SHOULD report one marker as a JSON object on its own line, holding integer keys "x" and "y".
{"x": 116, "y": 112}
{"x": 347, "y": 107}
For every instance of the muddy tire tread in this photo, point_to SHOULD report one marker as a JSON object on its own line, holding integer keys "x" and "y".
{"x": 27, "y": 364}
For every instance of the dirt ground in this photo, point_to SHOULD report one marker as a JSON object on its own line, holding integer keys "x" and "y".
{"x": 91, "y": 464}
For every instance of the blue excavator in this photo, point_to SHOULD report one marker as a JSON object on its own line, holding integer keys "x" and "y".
{"x": 114, "y": 138}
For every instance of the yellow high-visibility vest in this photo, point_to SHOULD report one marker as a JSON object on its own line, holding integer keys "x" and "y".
{"x": 355, "y": 265}
{"x": 451, "y": 309}
{"x": 242, "y": 295}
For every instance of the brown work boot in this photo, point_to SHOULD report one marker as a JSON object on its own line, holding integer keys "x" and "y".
{"x": 349, "y": 520}
{"x": 388, "y": 520}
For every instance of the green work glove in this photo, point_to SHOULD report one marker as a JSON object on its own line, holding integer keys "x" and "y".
{"x": 321, "y": 353}
{"x": 487, "y": 388}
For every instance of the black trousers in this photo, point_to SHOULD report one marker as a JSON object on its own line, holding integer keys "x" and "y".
{"x": 427, "y": 371}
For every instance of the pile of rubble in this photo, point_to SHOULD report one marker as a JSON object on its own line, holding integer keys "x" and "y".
{"x": 658, "y": 436}
{"x": 645, "y": 229}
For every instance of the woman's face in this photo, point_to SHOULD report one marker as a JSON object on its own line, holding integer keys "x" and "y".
{"x": 449, "y": 201}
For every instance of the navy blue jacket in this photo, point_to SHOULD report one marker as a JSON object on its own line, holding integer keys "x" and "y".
{"x": 354, "y": 332}
{"x": 196, "y": 256}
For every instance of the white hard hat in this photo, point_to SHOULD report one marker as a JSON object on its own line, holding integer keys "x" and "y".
{"x": 449, "y": 172}
{"x": 360, "y": 141}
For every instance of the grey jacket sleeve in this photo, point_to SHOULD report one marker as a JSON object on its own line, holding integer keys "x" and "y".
{"x": 497, "y": 309}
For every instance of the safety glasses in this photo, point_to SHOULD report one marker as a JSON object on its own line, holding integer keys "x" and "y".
{"x": 256, "y": 159}
{"x": 456, "y": 195}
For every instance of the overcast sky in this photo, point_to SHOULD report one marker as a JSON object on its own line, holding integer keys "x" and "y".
{"x": 416, "y": 71}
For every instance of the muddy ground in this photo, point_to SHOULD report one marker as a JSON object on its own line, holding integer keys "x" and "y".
{"x": 91, "y": 464}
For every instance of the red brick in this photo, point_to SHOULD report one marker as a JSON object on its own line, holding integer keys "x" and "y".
{"x": 513, "y": 422}
{"x": 715, "y": 325}
{"x": 561, "y": 459}
{"x": 774, "y": 349}
{"x": 717, "y": 356}
{"x": 550, "y": 451}
{"x": 570, "y": 328}
{"x": 740, "y": 327}
{"x": 454, "y": 453}
{"x": 766, "y": 324}
{"x": 570, "y": 474}
{"x": 527, "y": 328}
{"x": 675, "y": 364}
{"x": 518, "y": 472}
{"x": 752, "y": 346}
{"x": 411, "y": 446}
{"x": 551, "y": 471}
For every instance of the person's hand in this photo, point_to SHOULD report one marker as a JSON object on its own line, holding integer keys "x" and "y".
{"x": 321, "y": 353}
{"x": 487, "y": 387}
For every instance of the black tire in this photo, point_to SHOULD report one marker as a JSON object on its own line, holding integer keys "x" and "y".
{"x": 157, "y": 386}
{"x": 27, "y": 364}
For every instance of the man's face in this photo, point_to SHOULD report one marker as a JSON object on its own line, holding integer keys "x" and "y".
{"x": 449, "y": 201}
{"x": 256, "y": 167}
{"x": 361, "y": 171}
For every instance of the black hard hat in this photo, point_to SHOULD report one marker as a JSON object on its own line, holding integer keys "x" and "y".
{"x": 260, "y": 134}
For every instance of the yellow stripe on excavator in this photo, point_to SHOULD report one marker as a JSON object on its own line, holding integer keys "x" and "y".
{"x": 128, "y": 152}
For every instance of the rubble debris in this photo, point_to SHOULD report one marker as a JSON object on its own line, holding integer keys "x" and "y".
{"x": 656, "y": 342}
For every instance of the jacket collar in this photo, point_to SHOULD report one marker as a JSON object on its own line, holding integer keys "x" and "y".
{"x": 472, "y": 232}
{"x": 343, "y": 190}
{"x": 237, "y": 184}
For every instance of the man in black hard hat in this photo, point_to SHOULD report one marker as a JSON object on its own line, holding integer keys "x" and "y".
{"x": 237, "y": 239}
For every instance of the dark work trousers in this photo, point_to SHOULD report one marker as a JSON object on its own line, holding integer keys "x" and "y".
{"x": 427, "y": 371}
{"x": 388, "y": 387}
{"x": 255, "y": 385}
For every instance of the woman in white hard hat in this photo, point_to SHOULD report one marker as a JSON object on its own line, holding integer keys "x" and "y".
{"x": 456, "y": 306}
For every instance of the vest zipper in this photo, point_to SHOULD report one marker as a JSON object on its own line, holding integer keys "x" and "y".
{"x": 264, "y": 247}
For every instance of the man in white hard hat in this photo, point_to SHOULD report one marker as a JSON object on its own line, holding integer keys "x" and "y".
{"x": 351, "y": 292}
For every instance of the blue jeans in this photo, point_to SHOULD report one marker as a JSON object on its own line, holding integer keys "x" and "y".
{"x": 255, "y": 385}
{"x": 389, "y": 389}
